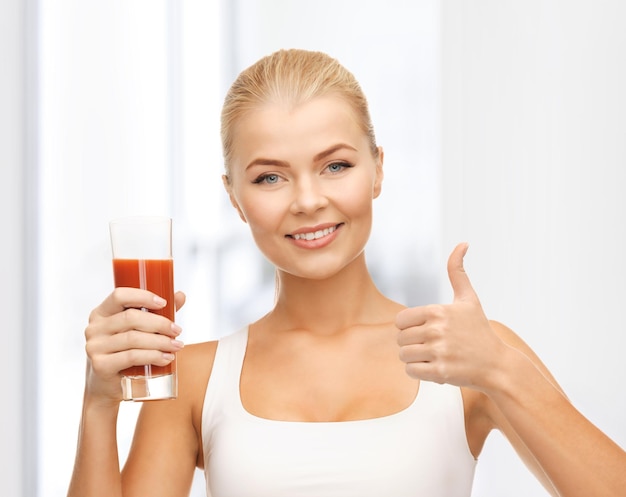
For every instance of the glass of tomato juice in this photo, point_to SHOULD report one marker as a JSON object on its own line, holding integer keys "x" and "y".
{"x": 142, "y": 258}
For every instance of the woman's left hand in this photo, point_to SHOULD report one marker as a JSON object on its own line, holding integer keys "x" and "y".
{"x": 451, "y": 343}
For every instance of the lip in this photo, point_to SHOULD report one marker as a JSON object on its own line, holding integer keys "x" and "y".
{"x": 313, "y": 229}
{"x": 316, "y": 242}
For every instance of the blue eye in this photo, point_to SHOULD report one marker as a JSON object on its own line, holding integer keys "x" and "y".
{"x": 270, "y": 179}
{"x": 337, "y": 167}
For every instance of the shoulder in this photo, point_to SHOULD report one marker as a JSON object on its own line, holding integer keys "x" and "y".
{"x": 193, "y": 369}
{"x": 194, "y": 365}
{"x": 180, "y": 441}
{"x": 195, "y": 361}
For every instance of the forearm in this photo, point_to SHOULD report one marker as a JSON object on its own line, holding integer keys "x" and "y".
{"x": 576, "y": 456}
{"x": 96, "y": 469}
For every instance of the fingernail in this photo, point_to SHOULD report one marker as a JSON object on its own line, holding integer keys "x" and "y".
{"x": 176, "y": 329}
{"x": 177, "y": 343}
{"x": 159, "y": 301}
{"x": 168, "y": 357}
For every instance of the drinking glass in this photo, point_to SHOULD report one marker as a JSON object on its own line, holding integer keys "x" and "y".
{"x": 142, "y": 258}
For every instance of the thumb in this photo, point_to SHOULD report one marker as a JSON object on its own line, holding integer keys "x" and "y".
{"x": 461, "y": 285}
{"x": 179, "y": 300}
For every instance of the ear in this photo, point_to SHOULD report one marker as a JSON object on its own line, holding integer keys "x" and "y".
{"x": 378, "y": 181}
{"x": 229, "y": 189}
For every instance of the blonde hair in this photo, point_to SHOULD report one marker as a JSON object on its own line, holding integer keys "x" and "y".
{"x": 291, "y": 77}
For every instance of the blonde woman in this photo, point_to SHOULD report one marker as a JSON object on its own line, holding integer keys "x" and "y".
{"x": 337, "y": 390}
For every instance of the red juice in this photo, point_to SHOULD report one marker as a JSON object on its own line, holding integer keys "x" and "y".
{"x": 157, "y": 276}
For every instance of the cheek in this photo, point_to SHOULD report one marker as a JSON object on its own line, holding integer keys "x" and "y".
{"x": 262, "y": 216}
{"x": 358, "y": 200}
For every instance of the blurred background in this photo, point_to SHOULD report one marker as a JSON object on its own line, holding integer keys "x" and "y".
{"x": 503, "y": 124}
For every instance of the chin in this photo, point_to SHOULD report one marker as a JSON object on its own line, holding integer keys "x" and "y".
{"x": 318, "y": 269}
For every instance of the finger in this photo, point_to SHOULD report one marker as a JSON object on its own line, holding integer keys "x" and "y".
{"x": 111, "y": 354}
{"x": 124, "y": 298}
{"x": 421, "y": 334}
{"x": 409, "y": 336}
{"x": 426, "y": 371}
{"x": 133, "y": 340}
{"x": 415, "y": 352}
{"x": 112, "y": 364}
{"x": 419, "y": 316}
{"x": 147, "y": 322}
{"x": 179, "y": 300}
{"x": 411, "y": 316}
{"x": 129, "y": 320}
{"x": 461, "y": 285}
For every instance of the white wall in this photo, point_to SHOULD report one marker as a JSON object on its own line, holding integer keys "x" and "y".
{"x": 11, "y": 295}
{"x": 16, "y": 420}
{"x": 534, "y": 152}
{"x": 104, "y": 154}
{"x": 111, "y": 146}
{"x": 392, "y": 47}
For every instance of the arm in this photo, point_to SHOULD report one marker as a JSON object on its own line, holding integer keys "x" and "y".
{"x": 456, "y": 344}
{"x": 535, "y": 415}
{"x": 118, "y": 336}
{"x": 96, "y": 468}
{"x": 167, "y": 444}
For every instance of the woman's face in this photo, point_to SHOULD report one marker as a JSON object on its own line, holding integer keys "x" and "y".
{"x": 304, "y": 179}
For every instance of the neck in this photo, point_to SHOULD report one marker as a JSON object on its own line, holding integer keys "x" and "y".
{"x": 346, "y": 299}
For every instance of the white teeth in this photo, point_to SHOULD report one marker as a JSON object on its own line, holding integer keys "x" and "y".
{"x": 314, "y": 235}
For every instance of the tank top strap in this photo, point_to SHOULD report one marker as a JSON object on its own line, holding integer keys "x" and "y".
{"x": 222, "y": 393}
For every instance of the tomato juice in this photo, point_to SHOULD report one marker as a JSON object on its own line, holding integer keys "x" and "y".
{"x": 157, "y": 276}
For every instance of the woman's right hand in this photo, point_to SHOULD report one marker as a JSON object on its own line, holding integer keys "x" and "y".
{"x": 120, "y": 335}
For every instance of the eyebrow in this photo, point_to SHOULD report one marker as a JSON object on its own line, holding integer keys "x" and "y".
{"x": 332, "y": 150}
{"x": 279, "y": 163}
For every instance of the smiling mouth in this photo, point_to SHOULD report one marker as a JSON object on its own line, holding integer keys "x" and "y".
{"x": 314, "y": 235}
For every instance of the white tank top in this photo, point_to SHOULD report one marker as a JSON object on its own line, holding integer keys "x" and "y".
{"x": 421, "y": 451}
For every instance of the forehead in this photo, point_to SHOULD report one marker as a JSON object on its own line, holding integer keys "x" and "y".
{"x": 281, "y": 131}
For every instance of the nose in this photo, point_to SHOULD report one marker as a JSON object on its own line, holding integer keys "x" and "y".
{"x": 308, "y": 197}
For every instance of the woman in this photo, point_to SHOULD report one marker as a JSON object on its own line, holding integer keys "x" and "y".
{"x": 314, "y": 398}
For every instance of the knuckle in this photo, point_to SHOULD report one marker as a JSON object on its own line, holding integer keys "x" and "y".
{"x": 440, "y": 349}
{"x": 439, "y": 334}
{"x": 163, "y": 360}
{"x": 412, "y": 353}
{"x": 98, "y": 364}
{"x": 118, "y": 294}
{"x": 93, "y": 316}
{"x": 132, "y": 318}
{"x": 128, "y": 316}
{"x": 412, "y": 370}
{"x": 441, "y": 373}
{"x": 90, "y": 332}
{"x": 411, "y": 336}
{"x": 165, "y": 343}
{"x": 131, "y": 339}
{"x": 134, "y": 357}
{"x": 89, "y": 350}
{"x": 401, "y": 338}
{"x": 403, "y": 354}
{"x": 438, "y": 311}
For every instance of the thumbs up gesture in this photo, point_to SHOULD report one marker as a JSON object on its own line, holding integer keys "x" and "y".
{"x": 451, "y": 343}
